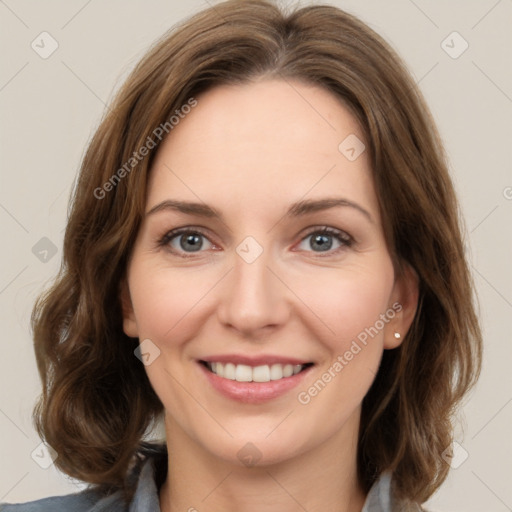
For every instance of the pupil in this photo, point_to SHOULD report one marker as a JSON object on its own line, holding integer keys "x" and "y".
{"x": 194, "y": 242}
{"x": 323, "y": 242}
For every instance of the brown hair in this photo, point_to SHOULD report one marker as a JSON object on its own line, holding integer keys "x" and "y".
{"x": 97, "y": 402}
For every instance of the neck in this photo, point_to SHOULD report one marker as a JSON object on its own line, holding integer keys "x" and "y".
{"x": 321, "y": 479}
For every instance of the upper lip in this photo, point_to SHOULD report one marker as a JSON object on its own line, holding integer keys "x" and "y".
{"x": 254, "y": 360}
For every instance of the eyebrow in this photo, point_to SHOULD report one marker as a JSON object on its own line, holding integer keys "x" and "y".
{"x": 314, "y": 205}
{"x": 298, "y": 209}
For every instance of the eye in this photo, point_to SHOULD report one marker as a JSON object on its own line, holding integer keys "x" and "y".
{"x": 325, "y": 239}
{"x": 185, "y": 240}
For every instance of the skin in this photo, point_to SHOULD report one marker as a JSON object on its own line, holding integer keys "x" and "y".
{"x": 250, "y": 151}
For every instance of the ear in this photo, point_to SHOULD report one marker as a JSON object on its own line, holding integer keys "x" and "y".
{"x": 404, "y": 302}
{"x": 129, "y": 324}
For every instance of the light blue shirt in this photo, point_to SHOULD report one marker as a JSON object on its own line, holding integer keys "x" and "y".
{"x": 145, "y": 498}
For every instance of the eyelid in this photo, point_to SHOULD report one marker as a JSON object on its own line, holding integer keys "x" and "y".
{"x": 345, "y": 239}
{"x": 172, "y": 233}
{"x": 329, "y": 230}
{"x": 164, "y": 241}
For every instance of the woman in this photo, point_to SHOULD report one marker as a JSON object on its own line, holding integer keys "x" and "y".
{"x": 264, "y": 249}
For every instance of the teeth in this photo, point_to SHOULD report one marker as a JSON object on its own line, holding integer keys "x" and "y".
{"x": 261, "y": 374}
{"x": 276, "y": 372}
{"x": 245, "y": 373}
{"x": 229, "y": 371}
{"x": 288, "y": 370}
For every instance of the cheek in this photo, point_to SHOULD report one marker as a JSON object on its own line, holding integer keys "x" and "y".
{"x": 351, "y": 306}
{"x": 349, "y": 300}
{"x": 166, "y": 304}
{"x": 165, "y": 301}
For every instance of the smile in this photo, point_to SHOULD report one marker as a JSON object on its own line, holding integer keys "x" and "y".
{"x": 253, "y": 379}
{"x": 261, "y": 373}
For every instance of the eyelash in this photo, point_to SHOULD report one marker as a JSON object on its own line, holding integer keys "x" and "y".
{"x": 343, "y": 238}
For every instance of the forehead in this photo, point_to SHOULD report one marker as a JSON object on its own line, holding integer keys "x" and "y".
{"x": 267, "y": 143}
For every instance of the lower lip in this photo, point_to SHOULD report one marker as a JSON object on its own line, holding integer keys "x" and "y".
{"x": 253, "y": 392}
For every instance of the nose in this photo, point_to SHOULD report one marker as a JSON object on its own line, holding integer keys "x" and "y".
{"x": 254, "y": 300}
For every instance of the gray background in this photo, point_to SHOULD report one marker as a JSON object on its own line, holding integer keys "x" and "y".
{"x": 51, "y": 106}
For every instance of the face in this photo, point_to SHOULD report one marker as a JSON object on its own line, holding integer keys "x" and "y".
{"x": 261, "y": 275}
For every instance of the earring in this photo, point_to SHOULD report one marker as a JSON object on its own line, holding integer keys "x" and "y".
{"x": 397, "y": 335}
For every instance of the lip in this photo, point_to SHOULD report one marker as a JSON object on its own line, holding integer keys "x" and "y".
{"x": 253, "y": 361}
{"x": 253, "y": 392}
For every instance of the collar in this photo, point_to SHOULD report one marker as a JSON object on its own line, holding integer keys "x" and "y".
{"x": 146, "y": 497}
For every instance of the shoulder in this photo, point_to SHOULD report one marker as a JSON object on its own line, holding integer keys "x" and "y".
{"x": 144, "y": 479}
{"x": 382, "y": 498}
{"x": 84, "y": 501}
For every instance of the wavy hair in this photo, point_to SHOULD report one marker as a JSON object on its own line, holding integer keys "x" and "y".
{"x": 97, "y": 403}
